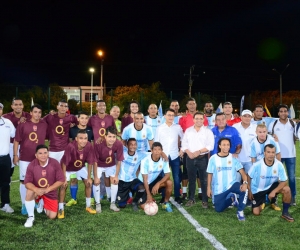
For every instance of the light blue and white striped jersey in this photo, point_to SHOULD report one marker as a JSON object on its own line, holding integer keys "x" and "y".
{"x": 153, "y": 168}
{"x": 223, "y": 170}
{"x": 142, "y": 136}
{"x": 257, "y": 148}
{"x": 265, "y": 120}
{"x": 211, "y": 121}
{"x": 153, "y": 122}
{"x": 130, "y": 165}
{"x": 263, "y": 176}
{"x": 176, "y": 119}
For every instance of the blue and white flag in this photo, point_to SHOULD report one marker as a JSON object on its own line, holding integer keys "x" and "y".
{"x": 242, "y": 105}
{"x": 219, "y": 109}
{"x": 160, "y": 110}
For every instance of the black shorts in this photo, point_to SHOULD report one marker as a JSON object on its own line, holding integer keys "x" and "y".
{"x": 151, "y": 185}
{"x": 125, "y": 187}
{"x": 260, "y": 197}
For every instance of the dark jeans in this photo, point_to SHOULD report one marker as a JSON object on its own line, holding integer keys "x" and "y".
{"x": 5, "y": 168}
{"x": 193, "y": 165}
{"x": 176, "y": 172}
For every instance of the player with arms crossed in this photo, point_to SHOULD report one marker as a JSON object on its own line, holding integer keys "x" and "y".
{"x": 150, "y": 174}
{"x": 222, "y": 168}
{"x": 28, "y": 135}
{"x": 268, "y": 177}
{"x": 109, "y": 154}
{"x": 73, "y": 162}
{"x": 43, "y": 177}
{"x": 128, "y": 181}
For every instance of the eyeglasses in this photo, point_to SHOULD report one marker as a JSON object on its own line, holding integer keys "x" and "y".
{"x": 1, "y": 119}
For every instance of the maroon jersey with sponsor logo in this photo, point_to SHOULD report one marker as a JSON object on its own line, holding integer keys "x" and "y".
{"x": 58, "y": 131}
{"x": 43, "y": 177}
{"x": 29, "y": 135}
{"x": 74, "y": 159}
{"x": 99, "y": 125}
{"x": 15, "y": 120}
{"x": 105, "y": 156}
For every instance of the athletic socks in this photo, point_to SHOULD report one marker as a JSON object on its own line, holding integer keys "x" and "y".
{"x": 22, "y": 192}
{"x": 73, "y": 191}
{"x": 114, "y": 191}
{"x": 108, "y": 191}
{"x": 285, "y": 208}
{"x": 184, "y": 189}
{"x": 96, "y": 190}
{"x": 61, "y": 206}
{"x": 199, "y": 190}
{"x": 30, "y": 208}
{"x": 88, "y": 202}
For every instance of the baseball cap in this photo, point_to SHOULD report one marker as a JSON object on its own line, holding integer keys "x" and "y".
{"x": 246, "y": 112}
{"x": 1, "y": 106}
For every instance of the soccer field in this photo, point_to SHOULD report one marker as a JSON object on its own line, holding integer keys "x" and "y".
{"x": 129, "y": 230}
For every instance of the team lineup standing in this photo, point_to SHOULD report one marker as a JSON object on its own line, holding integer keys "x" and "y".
{"x": 224, "y": 152}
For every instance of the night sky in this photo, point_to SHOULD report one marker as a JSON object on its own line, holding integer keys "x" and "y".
{"x": 236, "y": 44}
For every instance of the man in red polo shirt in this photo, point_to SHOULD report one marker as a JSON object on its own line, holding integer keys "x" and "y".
{"x": 230, "y": 119}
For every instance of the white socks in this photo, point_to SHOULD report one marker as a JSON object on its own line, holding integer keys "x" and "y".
{"x": 96, "y": 190}
{"x": 114, "y": 191}
{"x": 30, "y": 208}
{"x": 22, "y": 192}
{"x": 88, "y": 202}
{"x": 108, "y": 192}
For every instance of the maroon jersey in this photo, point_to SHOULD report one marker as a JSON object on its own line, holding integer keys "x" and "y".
{"x": 29, "y": 135}
{"x": 15, "y": 120}
{"x": 126, "y": 121}
{"x": 74, "y": 159}
{"x": 99, "y": 125}
{"x": 58, "y": 131}
{"x": 44, "y": 177}
{"x": 105, "y": 156}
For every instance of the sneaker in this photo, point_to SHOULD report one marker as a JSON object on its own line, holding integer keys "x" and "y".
{"x": 40, "y": 206}
{"x": 240, "y": 215}
{"x": 71, "y": 203}
{"x": 275, "y": 207}
{"x": 293, "y": 201}
{"x": 135, "y": 207}
{"x": 92, "y": 201}
{"x": 235, "y": 201}
{"x": 29, "y": 222}
{"x": 90, "y": 210}
{"x": 114, "y": 207}
{"x": 7, "y": 209}
{"x": 204, "y": 204}
{"x": 167, "y": 207}
{"x": 287, "y": 217}
{"x": 61, "y": 214}
{"x": 162, "y": 201}
{"x": 23, "y": 210}
{"x": 98, "y": 208}
{"x": 178, "y": 200}
{"x": 263, "y": 206}
{"x": 129, "y": 201}
{"x": 190, "y": 203}
{"x": 200, "y": 196}
{"x": 184, "y": 196}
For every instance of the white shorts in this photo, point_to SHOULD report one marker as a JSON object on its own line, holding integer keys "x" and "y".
{"x": 80, "y": 174}
{"x": 23, "y": 168}
{"x": 11, "y": 153}
{"x": 57, "y": 155}
{"x": 109, "y": 172}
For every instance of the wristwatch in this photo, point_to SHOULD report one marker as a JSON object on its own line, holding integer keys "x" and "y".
{"x": 245, "y": 182}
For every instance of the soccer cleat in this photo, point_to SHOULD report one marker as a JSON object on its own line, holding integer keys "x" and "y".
{"x": 234, "y": 199}
{"x": 287, "y": 217}
{"x": 204, "y": 204}
{"x": 90, "y": 210}
{"x": 71, "y": 203}
{"x": 167, "y": 207}
{"x": 98, "y": 208}
{"x": 7, "y": 209}
{"x": 129, "y": 201}
{"x": 135, "y": 207}
{"x": 29, "y": 222}
{"x": 240, "y": 215}
{"x": 61, "y": 214}
{"x": 190, "y": 203}
{"x": 40, "y": 206}
{"x": 114, "y": 207}
{"x": 92, "y": 201}
{"x": 263, "y": 206}
{"x": 23, "y": 210}
{"x": 178, "y": 200}
{"x": 275, "y": 207}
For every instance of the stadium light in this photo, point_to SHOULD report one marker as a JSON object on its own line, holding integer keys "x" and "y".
{"x": 100, "y": 54}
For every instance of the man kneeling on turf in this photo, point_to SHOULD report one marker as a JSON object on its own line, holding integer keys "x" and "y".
{"x": 43, "y": 177}
{"x": 77, "y": 153}
{"x": 150, "y": 174}
{"x": 222, "y": 168}
{"x": 268, "y": 177}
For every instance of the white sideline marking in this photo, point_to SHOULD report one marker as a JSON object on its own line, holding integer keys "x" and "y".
{"x": 199, "y": 228}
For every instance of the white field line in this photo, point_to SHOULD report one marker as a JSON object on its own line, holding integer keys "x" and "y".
{"x": 199, "y": 228}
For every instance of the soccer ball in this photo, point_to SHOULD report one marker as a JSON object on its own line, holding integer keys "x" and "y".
{"x": 151, "y": 208}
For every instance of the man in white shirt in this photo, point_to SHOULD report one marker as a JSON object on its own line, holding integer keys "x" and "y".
{"x": 7, "y": 131}
{"x": 284, "y": 129}
{"x": 197, "y": 142}
{"x": 169, "y": 135}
